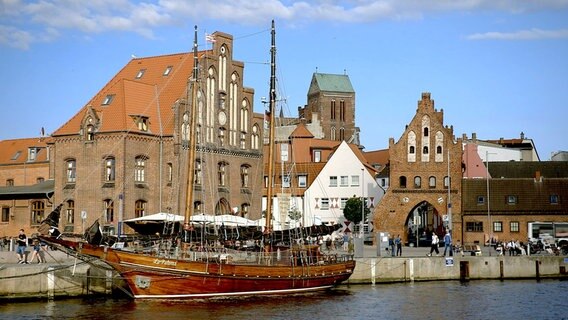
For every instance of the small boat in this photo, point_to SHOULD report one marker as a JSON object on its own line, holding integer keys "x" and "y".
{"x": 191, "y": 267}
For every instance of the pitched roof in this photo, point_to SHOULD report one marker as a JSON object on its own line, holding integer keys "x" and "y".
{"x": 532, "y": 196}
{"x": 301, "y": 132}
{"x": 528, "y": 169}
{"x": 16, "y": 151}
{"x": 380, "y": 157}
{"x": 146, "y": 87}
{"x": 330, "y": 83}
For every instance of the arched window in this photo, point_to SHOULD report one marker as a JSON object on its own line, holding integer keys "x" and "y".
{"x": 255, "y": 139}
{"x": 71, "y": 166}
{"x": 332, "y": 109}
{"x": 197, "y": 206}
{"x": 402, "y": 181}
{"x": 245, "y": 176}
{"x": 417, "y": 182}
{"x": 222, "y": 174}
{"x": 185, "y": 132}
{"x": 411, "y": 150}
{"x": 140, "y": 169}
{"x": 446, "y": 182}
{"x": 110, "y": 166}
{"x": 198, "y": 172}
{"x": 425, "y": 150}
{"x": 426, "y": 131}
{"x": 439, "y": 149}
{"x": 432, "y": 182}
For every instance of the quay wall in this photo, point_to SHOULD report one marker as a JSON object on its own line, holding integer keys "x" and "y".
{"x": 394, "y": 269}
{"x": 63, "y": 276}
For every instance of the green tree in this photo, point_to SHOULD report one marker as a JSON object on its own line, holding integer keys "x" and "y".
{"x": 294, "y": 214}
{"x": 352, "y": 210}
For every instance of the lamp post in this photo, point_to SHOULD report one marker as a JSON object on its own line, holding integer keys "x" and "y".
{"x": 488, "y": 199}
{"x": 362, "y": 204}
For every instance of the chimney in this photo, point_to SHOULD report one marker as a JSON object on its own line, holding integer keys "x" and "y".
{"x": 474, "y": 137}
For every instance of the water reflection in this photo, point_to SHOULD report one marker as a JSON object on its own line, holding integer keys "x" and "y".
{"x": 426, "y": 300}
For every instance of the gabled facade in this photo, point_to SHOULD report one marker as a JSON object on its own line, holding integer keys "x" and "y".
{"x": 425, "y": 177}
{"x": 124, "y": 154}
{"x": 345, "y": 175}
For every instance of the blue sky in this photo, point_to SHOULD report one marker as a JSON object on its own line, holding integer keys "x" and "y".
{"x": 496, "y": 67}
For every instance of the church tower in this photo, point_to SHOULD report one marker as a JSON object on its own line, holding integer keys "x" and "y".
{"x": 331, "y": 99}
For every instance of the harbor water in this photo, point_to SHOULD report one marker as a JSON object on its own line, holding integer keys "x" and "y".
{"x": 514, "y": 299}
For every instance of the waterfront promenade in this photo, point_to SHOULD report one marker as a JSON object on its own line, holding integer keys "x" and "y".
{"x": 64, "y": 276}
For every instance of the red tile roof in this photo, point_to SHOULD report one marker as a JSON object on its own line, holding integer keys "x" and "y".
{"x": 9, "y": 148}
{"x": 152, "y": 95}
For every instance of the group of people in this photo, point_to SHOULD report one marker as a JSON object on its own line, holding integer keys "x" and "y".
{"x": 22, "y": 244}
{"x": 395, "y": 244}
{"x": 448, "y": 247}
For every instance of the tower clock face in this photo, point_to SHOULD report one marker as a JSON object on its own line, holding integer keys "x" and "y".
{"x": 222, "y": 118}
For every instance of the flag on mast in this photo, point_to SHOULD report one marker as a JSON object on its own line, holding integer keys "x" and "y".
{"x": 210, "y": 38}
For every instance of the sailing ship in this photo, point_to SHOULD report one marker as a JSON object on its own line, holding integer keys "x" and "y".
{"x": 191, "y": 267}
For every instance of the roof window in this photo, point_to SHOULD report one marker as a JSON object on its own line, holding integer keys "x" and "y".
{"x": 108, "y": 99}
{"x": 167, "y": 71}
{"x": 140, "y": 73}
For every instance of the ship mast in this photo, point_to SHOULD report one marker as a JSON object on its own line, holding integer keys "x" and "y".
{"x": 192, "y": 139}
{"x": 271, "y": 107}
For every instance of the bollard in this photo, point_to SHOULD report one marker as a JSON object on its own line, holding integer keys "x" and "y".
{"x": 537, "y": 265}
{"x": 501, "y": 273}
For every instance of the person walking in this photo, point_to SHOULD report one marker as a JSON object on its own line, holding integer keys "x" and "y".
{"x": 37, "y": 251}
{"x": 398, "y": 243}
{"x": 448, "y": 244}
{"x": 434, "y": 245}
{"x": 391, "y": 245}
{"x": 22, "y": 241}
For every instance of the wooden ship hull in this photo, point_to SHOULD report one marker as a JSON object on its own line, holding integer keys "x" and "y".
{"x": 151, "y": 276}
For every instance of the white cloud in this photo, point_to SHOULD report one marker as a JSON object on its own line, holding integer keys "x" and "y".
{"x": 32, "y": 19}
{"x": 15, "y": 38}
{"x": 533, "y": 34}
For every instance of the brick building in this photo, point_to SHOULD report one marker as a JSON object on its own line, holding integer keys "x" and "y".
{"x": 124, "y": 154}
{"x": 27, "y": 188}
{"x": 515, "y": 194}
{"x": 331, "y": 100}
{"x": 417, "y": 200}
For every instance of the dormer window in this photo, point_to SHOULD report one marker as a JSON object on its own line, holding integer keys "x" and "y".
{"x": 90, "y": 133}
{"x": 142, "y": 123}
{"x": 108, "y": 99}
{"x": 167, "y": 71}
{"x": 140, "y": 73}
{"x": 32, "y": 153}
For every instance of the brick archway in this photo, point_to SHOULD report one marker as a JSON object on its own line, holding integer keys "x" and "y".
{"x": 396, "y": 209}
{"x": 423, "y": 219}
